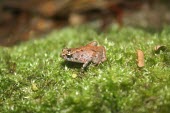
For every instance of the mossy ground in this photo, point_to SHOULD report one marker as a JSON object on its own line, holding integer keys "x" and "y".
{"x": 33, "y": 77}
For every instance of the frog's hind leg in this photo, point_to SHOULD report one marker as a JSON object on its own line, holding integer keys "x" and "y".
{"x": 97, "y": 59}
{"x": 94, "y": 43}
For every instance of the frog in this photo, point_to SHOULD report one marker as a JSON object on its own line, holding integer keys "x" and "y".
{"x": 85, "y": 54}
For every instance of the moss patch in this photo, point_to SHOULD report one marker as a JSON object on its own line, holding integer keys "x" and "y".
{"x": 33, "y": 77}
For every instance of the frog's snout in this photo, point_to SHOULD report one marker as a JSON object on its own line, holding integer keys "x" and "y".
{"x": 62, "y": 55}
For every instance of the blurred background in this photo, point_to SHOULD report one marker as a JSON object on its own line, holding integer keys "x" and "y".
{"x": 21, "y": 20}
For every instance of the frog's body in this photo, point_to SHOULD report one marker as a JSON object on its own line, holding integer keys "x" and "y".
{"x": 85, "y": 54}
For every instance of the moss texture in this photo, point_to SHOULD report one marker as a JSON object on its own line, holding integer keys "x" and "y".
{"x": 33, "y": 77}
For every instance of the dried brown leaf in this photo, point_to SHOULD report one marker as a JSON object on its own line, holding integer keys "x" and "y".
{"x": 159, "y": 48}
{"x": 140, "y": 58}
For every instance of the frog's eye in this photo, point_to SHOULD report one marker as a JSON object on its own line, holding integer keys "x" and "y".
{"x": 68, "y": 51}
{"x": 69, "y": 56}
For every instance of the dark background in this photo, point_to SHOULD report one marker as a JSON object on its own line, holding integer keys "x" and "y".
{"x": 21, "y": 20}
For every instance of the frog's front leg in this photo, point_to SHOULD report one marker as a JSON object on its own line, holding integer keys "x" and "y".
{"x": 85, "y": 64}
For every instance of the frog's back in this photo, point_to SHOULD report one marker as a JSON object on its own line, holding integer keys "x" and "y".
{"x": 83, "y": 55}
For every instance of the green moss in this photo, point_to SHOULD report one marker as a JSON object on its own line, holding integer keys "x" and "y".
{"x": 33, "y": 77}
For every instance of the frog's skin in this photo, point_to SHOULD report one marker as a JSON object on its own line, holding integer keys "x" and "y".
{"x": 85, "y": 54}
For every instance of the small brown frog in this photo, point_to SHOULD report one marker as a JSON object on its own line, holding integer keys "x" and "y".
{"x": 85, "y": 54}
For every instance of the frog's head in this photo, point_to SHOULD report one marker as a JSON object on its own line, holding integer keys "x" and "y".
{"x": 66, "y": 54}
